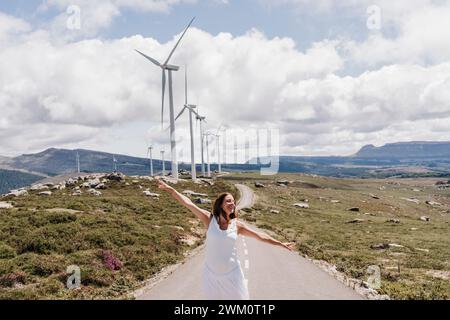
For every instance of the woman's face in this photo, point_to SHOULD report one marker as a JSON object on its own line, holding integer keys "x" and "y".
{"x": 228, "y": 204}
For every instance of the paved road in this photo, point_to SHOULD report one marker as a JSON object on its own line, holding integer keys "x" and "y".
{"x": 272, "y": 273}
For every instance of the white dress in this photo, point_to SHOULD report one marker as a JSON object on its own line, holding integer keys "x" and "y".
{"x": 222, "y": 273}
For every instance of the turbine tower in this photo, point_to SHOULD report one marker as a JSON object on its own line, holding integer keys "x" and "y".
{"x": 78, "y": 162}
{"x": 165, "y": 66}
{"x": 149, "y": 154}
{"x": 201, "y": 119}
{"x": 207, "y": 134}
{"x": 163, "y": 164}
{"x": 114, "y": 163}
{"x": 191, "y": 108}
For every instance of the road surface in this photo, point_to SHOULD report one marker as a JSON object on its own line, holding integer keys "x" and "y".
{"x": 273, "y": 273}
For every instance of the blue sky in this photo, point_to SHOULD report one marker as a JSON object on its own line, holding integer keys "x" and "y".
{"x": 312, "y": 70}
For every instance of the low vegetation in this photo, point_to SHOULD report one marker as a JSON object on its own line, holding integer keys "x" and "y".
{"x": 117, "y": 239}
{"x": 383, "y": 227}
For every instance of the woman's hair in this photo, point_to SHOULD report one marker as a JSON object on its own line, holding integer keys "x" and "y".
{"x": 217, "y": 206}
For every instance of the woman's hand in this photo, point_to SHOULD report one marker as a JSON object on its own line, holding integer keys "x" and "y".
{"x": 289, "y": 245}
{"x": 164, "y": 186}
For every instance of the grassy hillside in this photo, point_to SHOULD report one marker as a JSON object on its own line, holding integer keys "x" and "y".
{"x": 121, "y": 229}
{"x": 11, "y": 179}
{"x": 419, "y": 268}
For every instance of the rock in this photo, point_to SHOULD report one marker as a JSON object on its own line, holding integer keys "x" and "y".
{"x": 379, "y": 246}
{"x": 424, "y": 218}
{"x": 18, "y": 193}
{"x": 208, "y": 181}
{"x": 284, "y": 182}
{"x": 416, "y": 201}
{"x": 94, "y": 192}
{"x": 259, "y": 185}
{"x": 38, "y": 186}
{"x": 77, "y": 193}
{"x": 5, "y": 205}
{"x": 85, "y": 185}
{"x": 335, "y": 201}
{"x": 101, "y": 186}
{"x": 45, "y": 193}
{"x": 115, "y": 176}
{"x": 420, "y": 249}
{"x": 127, "y": 184}
{"x": 202, "y": 201}
{"x": 395, "y": 245}
{"x": 382, "y": 188}
{"x": 414, "y": 229}
{"x": 356, "y": 221}
{"x": 301, "y": 205}
{"x": 94, "y": 182}
{"x": 194, "y": 194}
{"x": 432, "y": 203}
{"x": 150, "y": 194}
{"x": 354, "y": 209}
{"x": 274, "y": 211}
{"x": 178, "y": 228}
{"x": 416, "y": 190}
{"x": 70, "y": 182}
{"x": 60, "y": 186}
{"x": 374, "y": 196}
{"x": 393, "y": 220}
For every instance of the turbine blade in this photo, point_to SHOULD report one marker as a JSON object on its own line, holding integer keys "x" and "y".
{"x": 149, "y": 58}
{"x": 181, "y": 112}
{"x": 176, "y": 45}
{"x": 162, "y": 99}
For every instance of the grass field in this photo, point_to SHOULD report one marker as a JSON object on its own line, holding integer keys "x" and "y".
{"x": 117, "y": 239}
{"x": 389, "y": 213}
{"x": 123, "y": 237}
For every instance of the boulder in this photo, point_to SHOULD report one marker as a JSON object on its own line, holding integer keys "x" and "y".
{"x": 150, "y": 194}
{"x": 100, "y": 186}
{"x": 5, "y": 205}
{"x": 302, "y": 205}
{"x": 432, "y": 203}
{"x": 393, "y": 221}
{"x": 259, "y": 185}
{"x": 356, "y": 221}
{"x": 193, "y": 193}
{"x": 45, "y": 193}
{"x": 374, "y": 196}
{"x": 354, "y": 209}
{"x": 416, "y": 201}
{"x": 115, "y": 176}
{"x": 274, "y": 211}
{"x": 38, "y": 186}
{"x": 18, "y": 193}
{"x": 424, "y": 218}
{"x": 94, "y": 192}
{"x": 202, "y": 201}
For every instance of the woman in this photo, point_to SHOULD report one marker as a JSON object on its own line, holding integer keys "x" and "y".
{"x": 222, "y": 273}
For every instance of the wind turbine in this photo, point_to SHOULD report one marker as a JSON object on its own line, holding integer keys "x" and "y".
{"x": 201, "y": 119}
{"x": 191, "y": 108}
{"x": 78, "y": 162}
{"x": 163, "y": 164}
{"x": 114, "y": 163}
{"x": 149, "y": 154}
{"x": 165, "y": 66}
{"x": 207, "y": 134}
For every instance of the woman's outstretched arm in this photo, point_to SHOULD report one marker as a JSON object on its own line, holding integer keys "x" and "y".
{"x": 203, "y": 215}
{"x": 246, "y": 231}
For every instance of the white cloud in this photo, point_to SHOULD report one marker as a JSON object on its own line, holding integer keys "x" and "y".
{"x": 98, "y": 15}
{"x": 84, "y": 92}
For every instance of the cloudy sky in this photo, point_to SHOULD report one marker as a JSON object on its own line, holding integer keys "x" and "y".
{"x": 326, "y": 76}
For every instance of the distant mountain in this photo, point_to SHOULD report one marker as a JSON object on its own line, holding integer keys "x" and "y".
{"x": 406, "y": 150}
{"x": 61, "y": 161}
{"x": 11, "y": 179}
